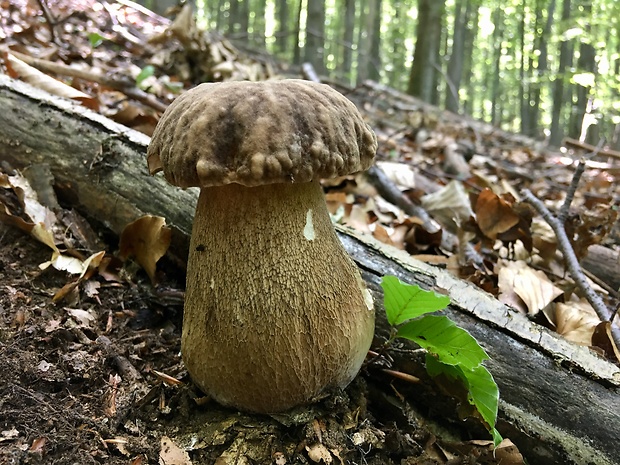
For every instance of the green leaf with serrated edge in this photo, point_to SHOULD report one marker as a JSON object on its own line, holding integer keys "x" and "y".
{"x": 440, "y": 336}
{"x": 483, "y": 392}
{"x": 404, "y": 302}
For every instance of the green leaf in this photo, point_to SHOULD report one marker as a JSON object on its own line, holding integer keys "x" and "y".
{"x": 146, "y": 72}
{"x": 403, "y": 302}
{"x": 95, "y": 39}
{"x": 483, "y": 392}
{"x": 440, "y": 336}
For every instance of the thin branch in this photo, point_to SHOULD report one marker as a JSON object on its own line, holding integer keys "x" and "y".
{"x": 568, "y": 142}
{"x": 572, "y": 263}
{"x": 125, "y": 86}
{"x": 570, "y": 195}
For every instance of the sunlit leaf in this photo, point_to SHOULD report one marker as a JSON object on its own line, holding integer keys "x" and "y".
{"x": 95, "y": 39}
{"x": 146, "y": 72}
{"x": 404, "y": 301}
{"x": 441, "y": 337}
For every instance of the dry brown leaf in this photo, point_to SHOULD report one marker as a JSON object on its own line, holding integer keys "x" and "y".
{"x": 358, "y": 219}
{"x": 147, "y": 239}
{"x": 399, "y": 173}
{"x": 576, "y": 321}
{"x": 531, "y": 286}
{"x": 318, "y": 453}
{"x": 38, "y": 445}
{"x": 450, "y": 205}
{"x": 493, "y": 214}
{"x": 602, "y": 338}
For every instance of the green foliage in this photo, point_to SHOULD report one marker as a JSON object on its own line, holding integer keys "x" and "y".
{"x": 451, "y": 351}
{"x": 146, "y": 72}
{"x": 95, "y": 39}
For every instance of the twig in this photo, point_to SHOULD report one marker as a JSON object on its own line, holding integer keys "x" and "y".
{"x": 570, "y": 195}
{"x": 51, "y": 23}
{"x": 572, "y": 189}
{"x": 572, "y": 263}
{"x": 568, "y": 142}
{"x": 125, "y": 86}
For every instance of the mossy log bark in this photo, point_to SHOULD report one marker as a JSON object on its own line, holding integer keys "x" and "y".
{"x": 559, "y": 402}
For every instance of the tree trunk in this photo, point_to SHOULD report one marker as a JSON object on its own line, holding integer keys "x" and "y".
{"x": 424, "y": 75}
{"x": 347, "y": 38}
{"x": 498, "y": 33}
{"x": 455, "y": 63}
{"x": 469, "y": 39}
{"x": 558, "y": 400}
{"x": 586, "y": 63}
{"x": 558, "y": 97}
{"x": 297, "y": 35}
{"x": 541, "y": 71}
{"x": 258, "y": 23}
{"x": 283, "y": 33}
{"x": 367, "y": 36}
{"x": 374, "y": 71}
{"x": 315, "y": 35}
{"x": 524, "y": 75}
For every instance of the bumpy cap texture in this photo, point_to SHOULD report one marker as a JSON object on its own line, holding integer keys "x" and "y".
{"x": 255, "y": 133}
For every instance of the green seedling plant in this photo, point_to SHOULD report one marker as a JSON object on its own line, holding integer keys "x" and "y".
{"x": 450, "y": 351}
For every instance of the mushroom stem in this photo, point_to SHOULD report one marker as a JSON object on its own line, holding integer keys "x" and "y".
{"x": 275, "y": 312}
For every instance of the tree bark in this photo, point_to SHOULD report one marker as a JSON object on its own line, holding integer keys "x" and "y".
{"x": 423, "y": 76}
{"x": 315, "y": 35}
{"x": 559, "y": 401}
{"x": 347, "y": 38}
{"x": 558, "y": 90}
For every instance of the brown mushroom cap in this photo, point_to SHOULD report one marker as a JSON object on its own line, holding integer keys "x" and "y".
{"x": 255, "y": 133}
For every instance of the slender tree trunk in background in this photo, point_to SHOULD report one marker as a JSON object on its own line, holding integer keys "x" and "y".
{"x": 244, "y": 18}
{"x": 498, "y": 20}
{"x": 283, "y": 32}
{"x": 469, "y": 39}
{"x": 347, "y": 37}
{"x": 364, "y": 59}
{"x": 541, "y": 71}
{"x": 558, "y": 97}
{"x": 297, "y": 34}
{"x": 533, "y": 77}
{"x": 218, "y": 16}
{"x": 233, "y": 16}
{"x": 523, "y": 77}
{"x": 374, "y": 72}
{"x": 396, "y": 67}
{"x": 258, "y": 23}
{"x": 315, "y": 35}
{"x": 423, "y": 75}
{"x": 457, "y": 56}
{"x": 585, "y": 64}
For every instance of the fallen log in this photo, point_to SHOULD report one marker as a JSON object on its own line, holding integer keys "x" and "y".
{"x": 559, "y": 401}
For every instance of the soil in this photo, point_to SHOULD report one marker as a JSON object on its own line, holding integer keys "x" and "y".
{"x": 93, "y": 379}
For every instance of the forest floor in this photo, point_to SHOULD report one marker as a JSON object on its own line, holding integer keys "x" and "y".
{"x": 92, "y": 373}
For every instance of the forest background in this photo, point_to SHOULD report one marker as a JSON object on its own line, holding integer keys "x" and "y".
{"x": 546, "y": 68}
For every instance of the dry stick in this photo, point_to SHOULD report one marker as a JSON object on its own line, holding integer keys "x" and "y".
{"x": 124, "y": 86}
{"x": 568, "y": 142}
{"x": 572, "y": 264}
{"x": 570, "y": 195}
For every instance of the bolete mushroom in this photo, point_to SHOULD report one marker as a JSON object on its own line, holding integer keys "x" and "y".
{"x": 276, "y": 312}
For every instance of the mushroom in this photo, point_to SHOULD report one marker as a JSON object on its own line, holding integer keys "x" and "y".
{"x": 276, "y": 313}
